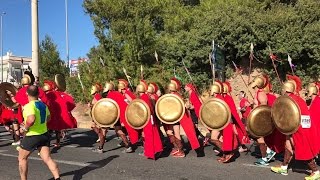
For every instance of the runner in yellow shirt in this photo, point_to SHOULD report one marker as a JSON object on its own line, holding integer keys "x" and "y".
{"x": 36, "y": 115}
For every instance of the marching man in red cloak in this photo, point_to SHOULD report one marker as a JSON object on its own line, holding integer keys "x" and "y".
{"x": 173, "y": 131}
{"x": 303, "y": 142}
{"x": 152, "y": 140}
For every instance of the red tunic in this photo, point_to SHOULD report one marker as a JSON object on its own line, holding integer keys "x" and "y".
{"x": 6, "y": 114}
{"x": 315, "y": 119}
{"x": 152, "y": 140}
{"x": 276, "y": 140}
{"x": 22, "y": 98}
{"x": 195, "y": 101}
{"x": 242, "y": 133}
{"x": 304, "y": 139}
{"x": 60, "y": 105}
{"x": 247, "y": 111}
{"x": 121, "y": 101}
{"x": 188, "y": 127}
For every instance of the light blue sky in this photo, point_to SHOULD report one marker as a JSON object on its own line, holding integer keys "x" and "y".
{"x": 17, "y": 26}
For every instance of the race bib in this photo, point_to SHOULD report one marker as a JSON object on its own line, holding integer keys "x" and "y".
{"x": 305, "y": 121}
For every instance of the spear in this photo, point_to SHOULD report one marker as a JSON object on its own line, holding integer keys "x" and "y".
{"x": 128, "y": 77}
{"x": 244, "y": 82}
{"x": 251, "y": 58}
{"x": 185, "y": 67}
{"x": 273, "y": 57}
{"x": 141, "y": 72}
{"x": 290, "y": 63}
{"x": 80, "y": 81}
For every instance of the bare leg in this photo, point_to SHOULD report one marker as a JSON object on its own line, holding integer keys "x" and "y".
{"x": 263, "y": 147}
{"x": 23, "y": 163}
{"x": 45, "y": 156}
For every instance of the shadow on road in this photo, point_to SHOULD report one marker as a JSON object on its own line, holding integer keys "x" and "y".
{"x": 78, "y": 174}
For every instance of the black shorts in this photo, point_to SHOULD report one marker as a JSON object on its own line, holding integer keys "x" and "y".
{"x": 30, "y": 143}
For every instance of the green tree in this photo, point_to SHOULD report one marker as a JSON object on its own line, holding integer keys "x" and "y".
{"x": 49, "y": 61}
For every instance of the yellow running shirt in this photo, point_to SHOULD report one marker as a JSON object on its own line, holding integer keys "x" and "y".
{"x": 41, "y": 112}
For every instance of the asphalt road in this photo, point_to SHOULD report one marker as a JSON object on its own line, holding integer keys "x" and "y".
{"x": 76, "y": 161}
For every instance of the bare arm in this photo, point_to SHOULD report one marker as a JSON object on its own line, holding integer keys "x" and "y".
{"x": 30, "y": 121}
{"x": 262, "y": 98}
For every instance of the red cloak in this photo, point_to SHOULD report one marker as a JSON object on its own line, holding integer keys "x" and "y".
{"x": 195, "y": 101}
{"x": 304, "y": 139}
{"x": 121, "y": 101}
{"x": 60, "y": 105}
{"x": 242, "y": 133}
{"x": 188, "y": 127}
{"x": 247, "y": 111}
{"x": 315, "y": 119}
{"x": 276, "y": 140}
{"x": 152, "y": 140}
{"x": 22, "y": 98}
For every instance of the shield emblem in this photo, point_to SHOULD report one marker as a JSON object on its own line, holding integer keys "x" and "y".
{"x": 60, "y": 82}
{"x": 170, "y": 108}
{"x": 138, "y": 114}
{"x": 286, "y": 115}
{"x": 105, "y": 112}
{"x": 259, "y": 122}
{"x": 215, "y": 114}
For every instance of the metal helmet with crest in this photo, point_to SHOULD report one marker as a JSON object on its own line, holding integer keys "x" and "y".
{"x": 122, "y": 84}
{"x": 28, "y": 78}
{"x": 109, "y": 86}
{"x": 313, "y": 89}
{"x": 174, "y": 85}
{"x": 260, "y": 82}
{"x": 292, "y": 85}
{"x": 48, "y": 85}
{"x": 142, "y": 86}
{"x": 152, "y": 88}
{"x": 96, "y": 88}
{"x": 226, "y": 87}
{"x": 216, "y": 88}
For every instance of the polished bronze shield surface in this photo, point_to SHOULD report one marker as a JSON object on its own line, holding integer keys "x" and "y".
{"x": 105, "y": 112}
{"x": 5, "y": 99}
{"x": 60, "y": 82}
{"x": 138, "y": 114}
{"x": 286, "y": 115}
{"x": 170, "y": 108}
{"x": 259, "y": 122}
{"x": 215, "y": 114}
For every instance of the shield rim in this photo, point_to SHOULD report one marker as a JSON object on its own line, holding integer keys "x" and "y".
{"x": 181, "y": 101}
{"x": 299, "y": 110}
{"x": 94, "y": 119}
{"x": 225, "y": 105}
{"x": 58, "y": 83}
{"x": 148, "y": 112}
{"x": 249, "y": 117}
{"x": 15, "y": 105}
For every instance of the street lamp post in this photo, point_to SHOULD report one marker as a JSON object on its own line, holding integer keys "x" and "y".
{"x": 1, "y": 44}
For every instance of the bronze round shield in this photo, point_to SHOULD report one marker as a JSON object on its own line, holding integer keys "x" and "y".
{"x": 60, "y": 82}
{"x": 259, "y": 122}
{"x": 138, "y": 114}
{"x": 105, "y": 112}
{"x": 170, "y": 108}
{"x": 5, "y": 99}
{"x": 286, "y": 115}
{"x": 215, "y": 114}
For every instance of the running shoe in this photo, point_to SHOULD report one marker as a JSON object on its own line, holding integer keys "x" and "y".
{"x": 261, "y": 162}
{"x": 315, "y": 176}
{"x": 97, "y": 150}
{"x": 271, "y": 155}
{"x": 128, "y": 150}
{"x": 279, "y": 170}
{"x": 17, "y": 143}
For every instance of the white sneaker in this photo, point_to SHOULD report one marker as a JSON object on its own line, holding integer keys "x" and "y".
{"x": 17, "y": 143}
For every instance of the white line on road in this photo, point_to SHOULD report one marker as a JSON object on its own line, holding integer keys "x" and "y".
{"x": 74, "y": 163}
{"x": 252, "y": 165}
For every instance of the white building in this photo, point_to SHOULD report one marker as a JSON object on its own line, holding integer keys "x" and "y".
{"x": 13, "y": 67}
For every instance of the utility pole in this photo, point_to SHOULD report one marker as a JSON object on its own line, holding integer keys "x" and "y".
{"x": 35, "y": 38}
{"x": 67, "y": 36}
{"x": 1, "y": 43}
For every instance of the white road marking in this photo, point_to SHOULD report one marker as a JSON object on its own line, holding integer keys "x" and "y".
{"x": 4, "y": 133}
{"x": 252, "y": 165}
{"x": 74, "y": 163}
